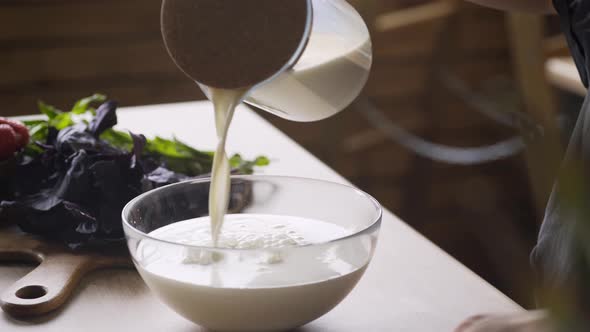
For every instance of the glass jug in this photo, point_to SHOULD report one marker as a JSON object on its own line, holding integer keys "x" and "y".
{"x": 330, "y": 72}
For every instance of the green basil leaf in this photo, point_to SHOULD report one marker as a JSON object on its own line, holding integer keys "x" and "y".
{"x": 117, "y": 138}
{"x": 32, "y": 150}
{"x": 38, "y": 132}
{"x": 61, "y": 121}
{"x": 32, "y": 123}
{"x": 48, "y": 110}
{"x": 262, "y": 161}
{"x": 82, "y": 105}
{"x": 247, "y": 166}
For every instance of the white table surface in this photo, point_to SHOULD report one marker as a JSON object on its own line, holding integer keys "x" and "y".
{"x": 411, "y": 285}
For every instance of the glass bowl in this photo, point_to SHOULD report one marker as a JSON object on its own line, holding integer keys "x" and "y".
{"x": 233, "y": 288}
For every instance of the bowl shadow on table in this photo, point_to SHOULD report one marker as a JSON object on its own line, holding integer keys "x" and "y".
{"x": 306, "y": 328}
{"x": 110, "y": 282}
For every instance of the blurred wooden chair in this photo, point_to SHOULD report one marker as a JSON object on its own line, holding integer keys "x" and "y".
{"x": 530, "y": 50}
{"x": 394, "y": 21}
{"x": 528, "y": 47}
{"x": 379, "y": 22}
{"x": 386, "y": 22}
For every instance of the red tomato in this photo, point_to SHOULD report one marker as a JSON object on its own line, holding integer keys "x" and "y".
{"x": 8, "y": 141}
{"x": 22, "y": 134}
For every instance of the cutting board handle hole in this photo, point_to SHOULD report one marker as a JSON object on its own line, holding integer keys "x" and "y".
{"x": 31, "y": 292}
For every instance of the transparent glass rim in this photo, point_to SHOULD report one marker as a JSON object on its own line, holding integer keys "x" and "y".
{"x": 370, "y": 200}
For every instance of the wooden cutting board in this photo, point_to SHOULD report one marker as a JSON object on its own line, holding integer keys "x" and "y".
{"x": 51, "y": 283}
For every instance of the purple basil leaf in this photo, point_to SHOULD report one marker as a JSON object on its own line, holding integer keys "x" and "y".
{"x": 106, "y": 117}
{"x": 139, "y": 142}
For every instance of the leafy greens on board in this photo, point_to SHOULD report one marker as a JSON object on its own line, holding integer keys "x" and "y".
{"x": 72, "y": 181}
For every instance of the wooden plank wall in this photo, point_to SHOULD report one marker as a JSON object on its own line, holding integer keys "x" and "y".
{"x": 60, "y": 50}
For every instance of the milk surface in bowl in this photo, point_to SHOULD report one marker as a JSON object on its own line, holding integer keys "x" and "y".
{"x": 273, "y": 269}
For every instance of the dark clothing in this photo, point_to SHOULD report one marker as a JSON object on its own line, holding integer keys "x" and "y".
{"x": 575, "y": 24}
{"x": 559, "y": 255}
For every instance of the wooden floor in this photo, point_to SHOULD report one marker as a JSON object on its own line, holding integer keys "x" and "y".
{"x": 60, "y": 50}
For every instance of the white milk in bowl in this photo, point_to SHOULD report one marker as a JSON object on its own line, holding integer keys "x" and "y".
{"x": 267, "y": 273}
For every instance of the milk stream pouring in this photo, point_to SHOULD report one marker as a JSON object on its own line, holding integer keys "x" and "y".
{"x": 303, "y": 60}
